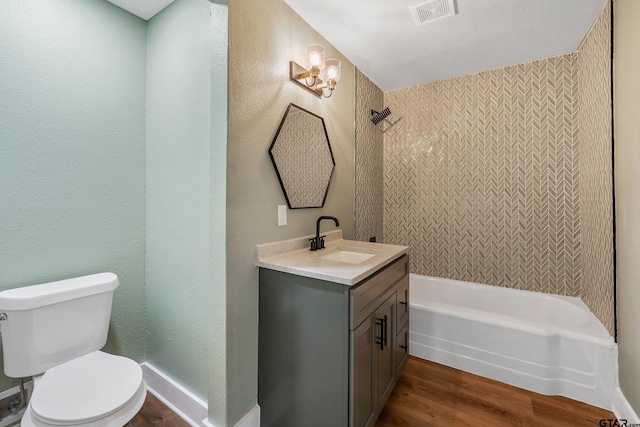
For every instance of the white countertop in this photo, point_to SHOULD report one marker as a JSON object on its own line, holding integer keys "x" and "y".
{"x": 293, "y": 256}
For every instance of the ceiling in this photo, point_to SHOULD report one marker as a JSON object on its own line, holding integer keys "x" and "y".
{"x": 144, "y": 9}
{"x": 147, "y": 9}
{"x": 382, "y": 39}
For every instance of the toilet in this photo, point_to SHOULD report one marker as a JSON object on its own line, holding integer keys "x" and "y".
{"x": 54, "y": 332}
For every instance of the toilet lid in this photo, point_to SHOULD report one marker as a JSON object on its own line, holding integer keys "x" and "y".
{"x": 85, "y": 389}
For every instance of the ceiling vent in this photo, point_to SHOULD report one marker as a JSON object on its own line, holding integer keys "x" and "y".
{"x": 432, "y": 10}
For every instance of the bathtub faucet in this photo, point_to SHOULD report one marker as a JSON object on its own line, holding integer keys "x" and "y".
{"x": 317, "y": 242}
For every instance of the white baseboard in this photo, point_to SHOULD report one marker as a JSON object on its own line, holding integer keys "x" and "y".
{"x": 180, "y": 400}
{"x": 251, "y": 419}
{"x": 184, "y": 403}
{"x": 621, "y": 408}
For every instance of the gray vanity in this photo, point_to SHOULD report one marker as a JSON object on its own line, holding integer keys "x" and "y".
{"x": 333, "y": 334}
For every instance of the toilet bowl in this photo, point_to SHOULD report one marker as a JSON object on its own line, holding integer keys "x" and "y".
{"x": 97, "y": 389}
{"x": 53, "y": 332}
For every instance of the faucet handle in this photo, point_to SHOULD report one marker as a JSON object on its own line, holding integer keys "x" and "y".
{"x": 317, "y": 243}
{"x": 314, "y": 244}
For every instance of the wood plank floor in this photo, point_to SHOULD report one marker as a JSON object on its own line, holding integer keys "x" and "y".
{"x": 156, "y": 413}
{"x": 429, "y": 394}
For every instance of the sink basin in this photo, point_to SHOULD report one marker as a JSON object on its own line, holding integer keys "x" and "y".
{"x": 347, "y": 256}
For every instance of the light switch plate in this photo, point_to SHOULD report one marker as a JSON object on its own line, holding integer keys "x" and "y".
{"x": 282, "y": 215}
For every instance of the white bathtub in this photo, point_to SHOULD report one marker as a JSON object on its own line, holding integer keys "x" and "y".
{"x": 544, "y": 343}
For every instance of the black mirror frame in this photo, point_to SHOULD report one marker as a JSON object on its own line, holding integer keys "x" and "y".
{"x": 275, "y": 166}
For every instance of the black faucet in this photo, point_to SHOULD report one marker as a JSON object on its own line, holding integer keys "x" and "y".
{"x": 317, "y": 242}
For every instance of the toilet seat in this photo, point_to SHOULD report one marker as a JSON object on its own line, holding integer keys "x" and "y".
{"x": 89, "y": 390}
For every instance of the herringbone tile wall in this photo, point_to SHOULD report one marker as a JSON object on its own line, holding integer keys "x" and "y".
{"x": 482, "y": 175}
{"x": 368, "y": 161}
{"x": 596, "y": 186}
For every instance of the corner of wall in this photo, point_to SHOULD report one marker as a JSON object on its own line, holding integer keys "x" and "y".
{"x": 369, "y": 182}
{"x": 596, "y": 173}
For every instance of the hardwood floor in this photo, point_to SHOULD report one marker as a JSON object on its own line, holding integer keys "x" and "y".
{"x": 156, "y": 413}
{"x": 429, "y": 394}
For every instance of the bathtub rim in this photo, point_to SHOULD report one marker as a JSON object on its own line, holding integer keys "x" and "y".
{"x": 434, "y": 341}
{"x": 593, "y": 330}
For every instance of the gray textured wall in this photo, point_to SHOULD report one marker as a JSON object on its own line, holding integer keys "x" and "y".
{"x": 263, "y": 38}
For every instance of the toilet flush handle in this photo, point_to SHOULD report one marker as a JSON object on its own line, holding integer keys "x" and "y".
{"x": 3, "y": 316}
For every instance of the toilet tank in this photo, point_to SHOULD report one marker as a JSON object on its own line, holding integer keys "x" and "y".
{"x": 52, "y": 323}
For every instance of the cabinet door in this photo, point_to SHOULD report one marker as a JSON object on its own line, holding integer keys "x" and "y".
{"x": 402, "y": 312}
{"x": 402, "y": 348}
{"x": 386, "y": 338}
{"x": 363, "y": 406}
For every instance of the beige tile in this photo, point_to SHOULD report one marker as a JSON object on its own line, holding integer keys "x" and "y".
{"x": 501, "y": 177}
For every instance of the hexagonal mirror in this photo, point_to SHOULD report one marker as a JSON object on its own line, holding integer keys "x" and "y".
{"x": 302, "y": 156}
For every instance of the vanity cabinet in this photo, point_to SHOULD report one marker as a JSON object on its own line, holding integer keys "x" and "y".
{"x": 373, "y": 371}
{"x": 330, "y": 354}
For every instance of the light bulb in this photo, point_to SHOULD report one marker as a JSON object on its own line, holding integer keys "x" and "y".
{"x": 315, "y": 59}
{"x": 332, "y": 69}
{"x": 332, "y": 73}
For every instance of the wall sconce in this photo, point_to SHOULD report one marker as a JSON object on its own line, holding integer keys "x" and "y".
{"x": 320, "y": 74}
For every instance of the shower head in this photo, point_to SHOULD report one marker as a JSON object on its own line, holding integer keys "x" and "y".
{"x": 379, "y": 116}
